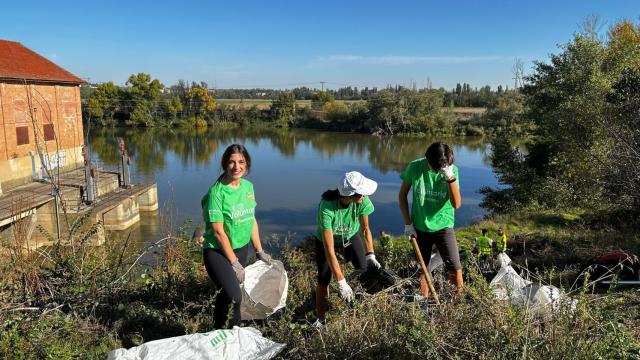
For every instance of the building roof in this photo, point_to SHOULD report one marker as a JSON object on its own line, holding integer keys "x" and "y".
{"x": 17, "y": 62}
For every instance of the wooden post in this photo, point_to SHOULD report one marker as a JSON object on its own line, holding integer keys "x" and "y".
{"x": 425, "y": 271}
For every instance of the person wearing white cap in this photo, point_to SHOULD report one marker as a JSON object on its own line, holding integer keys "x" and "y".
{"x": 436, "y": 195}
{"x": 343, "y": 216}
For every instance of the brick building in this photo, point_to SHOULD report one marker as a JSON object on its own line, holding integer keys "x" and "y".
{"x": 40, "y": 116}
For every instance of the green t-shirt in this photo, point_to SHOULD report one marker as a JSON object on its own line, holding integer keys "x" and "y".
{"x": 343, "y": 222}
{"x": 431, "y": 209}
{"x": 234, "y": 207}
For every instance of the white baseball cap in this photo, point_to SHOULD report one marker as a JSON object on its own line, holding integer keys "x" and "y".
{"x": 355, "y": 183}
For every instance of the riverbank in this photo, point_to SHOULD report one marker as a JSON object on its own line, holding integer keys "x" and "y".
{"x": 85, "y": 301}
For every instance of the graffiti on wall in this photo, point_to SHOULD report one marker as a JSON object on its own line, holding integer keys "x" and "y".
{"x": 55, "y": 160}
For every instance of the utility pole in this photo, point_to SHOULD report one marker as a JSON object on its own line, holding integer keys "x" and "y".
{"x": 322, "y": 85}
{"x": 126, "y": 177}
{"x": 518, "y": 72}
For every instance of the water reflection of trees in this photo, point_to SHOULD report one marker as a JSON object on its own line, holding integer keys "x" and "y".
{"x": 150, "y": 147}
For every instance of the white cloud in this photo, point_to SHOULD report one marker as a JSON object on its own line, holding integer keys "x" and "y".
{"x": 408, "y": 60}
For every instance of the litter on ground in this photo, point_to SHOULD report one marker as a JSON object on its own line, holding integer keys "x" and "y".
{"x": 237, "y": 344}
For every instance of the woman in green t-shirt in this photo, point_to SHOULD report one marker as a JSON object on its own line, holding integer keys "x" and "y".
{"x": 343, "y": 215}
{"x": 436, "y": 195}
{"x": 228, "y": 209}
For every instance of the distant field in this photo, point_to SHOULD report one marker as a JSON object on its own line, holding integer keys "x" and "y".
{"x": 469, "y": 110}
{"x": 266, "y": 103}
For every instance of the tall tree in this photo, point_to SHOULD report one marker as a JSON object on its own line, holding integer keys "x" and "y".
{"x": 575, "y": 101}
{"x": 144, "y": 95}
{"x": 284, "y": 109}
{"x": 105, "y": 101}
{"x": 200, "y": 103}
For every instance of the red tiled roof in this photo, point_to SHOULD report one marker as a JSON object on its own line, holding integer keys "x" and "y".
{"x": 20, "y": 63}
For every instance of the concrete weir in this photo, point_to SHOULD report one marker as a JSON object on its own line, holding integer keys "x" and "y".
{"x": 121, "y": 208}
{"x": 116, "y": 207}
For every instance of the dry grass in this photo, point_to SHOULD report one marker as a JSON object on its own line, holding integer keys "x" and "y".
{"x": 174, "y": 297}
{"x": 469, "y": 110}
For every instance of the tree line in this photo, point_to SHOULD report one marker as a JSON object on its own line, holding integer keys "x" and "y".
{"x": 583, "y": 107}
{"x": 463, "y": 95}
{"x": 145, "y": 101}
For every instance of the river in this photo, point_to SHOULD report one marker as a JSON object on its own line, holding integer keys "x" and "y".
{"x": 290, "y": 170}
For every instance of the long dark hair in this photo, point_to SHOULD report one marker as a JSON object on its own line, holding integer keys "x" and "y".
{"x": 439, "y": 155}
{"x": 331, "y": 195}
{"x": 230, "y": 150}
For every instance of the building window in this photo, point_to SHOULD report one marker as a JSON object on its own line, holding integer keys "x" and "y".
{"x": 22, "y": 135}
{"x": 49, "y": 132}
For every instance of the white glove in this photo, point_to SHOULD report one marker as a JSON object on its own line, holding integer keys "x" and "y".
{"x": 410, "y": 231}
{"x": 345, "y": 290}
{"x": 239, "y": 270}
{"x": 447, "y": 172}
{"x": 198, "y": 235}
{"x": 371, "y": 260}
{"x": 264, "y": 257}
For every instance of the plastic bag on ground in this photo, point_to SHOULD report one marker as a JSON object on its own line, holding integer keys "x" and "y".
{"x": 238, "y": 343}
{"x": 541, "y": 300}
{"x": 435, "y": 262}
{"x": 508, "y": 284}
{"x": 374, "y": 280}
{"x": 264, "y": 290}
{"x": 503, "y": 259}
{"x": 545, "y": 299}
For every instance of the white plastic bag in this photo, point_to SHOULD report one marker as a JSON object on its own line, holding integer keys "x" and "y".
{"x": 264, "y": 290}
{"x": 508, "y": 284}
{"x": 503, "y": 259}
{"x": 541, "y": 300}
{"x": 435, "y": 262}
{"x": 238, "y": 343}
{"x": 545, "y": 299}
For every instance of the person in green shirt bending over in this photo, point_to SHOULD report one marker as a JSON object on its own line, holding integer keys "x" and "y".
{"x": 436, "y": 195}
{"x": 343, "y": 215}
{"x": 228, "y": 209}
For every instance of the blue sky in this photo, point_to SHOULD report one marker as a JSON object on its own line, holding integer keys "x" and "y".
{"x": 282, "y": 44}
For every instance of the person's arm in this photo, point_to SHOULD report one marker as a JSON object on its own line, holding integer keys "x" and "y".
{"x": 330, "y": 254}
{"x": 366, "y": 232}
{"x": 404, "y": 204}
{"x": 454, "y": 195}
{"x": 255, "y": 236}
{"x": 223, "y": 241}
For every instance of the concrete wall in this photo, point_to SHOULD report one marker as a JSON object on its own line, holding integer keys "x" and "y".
{"x": 15, "y": 172}
{"x": 122, "y": 216}
{"x": 31, "y": 238}
{"x": 38, "y": 104}
{"x": 148, "y": 201}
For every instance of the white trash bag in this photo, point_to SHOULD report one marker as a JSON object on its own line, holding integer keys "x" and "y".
{"x": 539, "y": 299}
{"x": 435, "y": 262}
{"x": 264, "y": 290}
{"x": 238, "y": 343}
{"x": 503, "y": 259}
{"x": 545, "y": 299}
{"x": 508, "y": 284}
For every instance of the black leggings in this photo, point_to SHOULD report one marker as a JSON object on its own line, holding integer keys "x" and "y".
{"x": 445, "y": 242}
{"x": 353, "y": 252}
{"x": 220, "y": 271}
